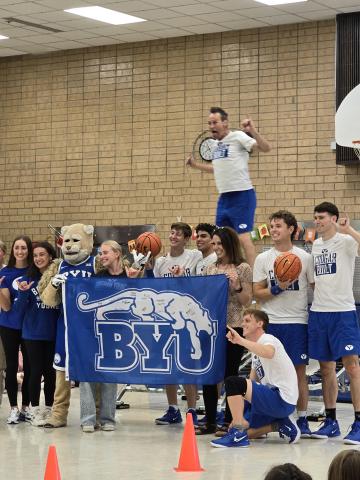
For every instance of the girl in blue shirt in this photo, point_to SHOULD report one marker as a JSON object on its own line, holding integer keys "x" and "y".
{"x": 38, "y": 332}
{"x": 10, "y": 327}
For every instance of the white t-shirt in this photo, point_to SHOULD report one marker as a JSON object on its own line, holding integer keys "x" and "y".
{"x": 290, "y": 306}
{"x": 278, "y": 371}
{"x": 334, "y": 264}
{"x": 189, "y": 260}
{"x": 231, "y": 159}
{"x": 206, "y": 261}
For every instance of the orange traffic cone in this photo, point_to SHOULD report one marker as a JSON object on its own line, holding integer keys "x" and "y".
{"x": 189, "y": 455}
{"x": 52, "y": 471}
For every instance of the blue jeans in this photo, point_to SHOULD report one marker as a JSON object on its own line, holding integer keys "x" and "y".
{"x": 103, "y": 394}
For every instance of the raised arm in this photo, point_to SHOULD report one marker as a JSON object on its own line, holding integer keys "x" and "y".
{"x": 343, "y": 226}
{"x": 248, "y": 126}
{"x": 203, "y": 167}
{"x": 265, "y": 351}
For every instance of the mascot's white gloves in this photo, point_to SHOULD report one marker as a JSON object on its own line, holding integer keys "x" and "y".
{"x": 58, "y": 279}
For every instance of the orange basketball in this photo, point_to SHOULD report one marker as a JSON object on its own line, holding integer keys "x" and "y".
{"x": 287, "y": 267}
{"x": 148, "y": 241}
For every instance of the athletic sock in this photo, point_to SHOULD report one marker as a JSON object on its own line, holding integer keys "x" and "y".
{"x": 275, "y": 427}
{"x": 330, "y": 413}
{"x": 238, "y": 426}
{"x": 357, "y": 416}
{"x": 302, "y": 413}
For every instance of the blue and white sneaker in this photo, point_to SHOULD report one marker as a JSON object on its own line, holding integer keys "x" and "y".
{"x": 304, "y": 428}
{"x": 353, "y": 437}
{"x": 194, "y": 415}
{"x": 289, "y": 430}
{"x": 202, "y": 421}
{"x": 329, "y": 429}
{"x": 171, "y": 416}
{"x": 25, "y": 415}
{"x": 234, "y": 438}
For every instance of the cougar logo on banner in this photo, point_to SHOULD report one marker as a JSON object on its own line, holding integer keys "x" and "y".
{"x": 136, "y": 331}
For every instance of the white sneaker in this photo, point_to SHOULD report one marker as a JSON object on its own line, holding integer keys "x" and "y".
{"x": 88, "y": 428}
{"x": 13, "y": 418}
{"x": 108, "y": 427}
{"x": 47, "y": 412}
{"x": 37, "y": 417}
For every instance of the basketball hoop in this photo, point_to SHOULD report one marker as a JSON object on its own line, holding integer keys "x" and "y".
{"x": 356, "y": 147}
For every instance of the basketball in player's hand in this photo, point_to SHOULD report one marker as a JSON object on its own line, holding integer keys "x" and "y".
{"x": 287, "y": 267}
{"x": 148, "y": 241}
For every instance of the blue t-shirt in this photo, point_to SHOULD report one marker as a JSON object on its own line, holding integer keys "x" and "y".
{"x": 12, "y": 319}
{"x": 39, "y": 320}
{"x": 85, "y": 269}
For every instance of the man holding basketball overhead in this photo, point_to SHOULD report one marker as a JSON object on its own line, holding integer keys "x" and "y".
{"x": 287, "y": 303}
{"x": 237, "y": 201}
{"x": 333, "y": 324}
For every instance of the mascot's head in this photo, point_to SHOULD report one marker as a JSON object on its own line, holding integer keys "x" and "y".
{"x": 78, "y": 242}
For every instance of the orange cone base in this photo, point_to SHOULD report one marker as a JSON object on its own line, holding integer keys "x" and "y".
{"x": 52, "y": 471}
{"x": 189, "y": 456}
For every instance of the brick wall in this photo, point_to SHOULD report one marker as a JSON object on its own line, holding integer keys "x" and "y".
{"x": 99, "y": 135}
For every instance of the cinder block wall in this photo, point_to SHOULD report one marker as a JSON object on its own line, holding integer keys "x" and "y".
{"x": 100, "y": 135}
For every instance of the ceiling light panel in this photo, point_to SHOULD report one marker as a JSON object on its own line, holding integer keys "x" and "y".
{"x": 105, "y": 15}
{"x": 279, "y": 2}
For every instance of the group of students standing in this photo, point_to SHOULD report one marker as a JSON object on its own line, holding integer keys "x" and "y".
{"x": 332, "y": 333}
{"x": 28, "y": 327}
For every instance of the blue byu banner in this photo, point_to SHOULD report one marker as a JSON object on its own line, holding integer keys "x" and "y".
{"x": 146, "y": 331}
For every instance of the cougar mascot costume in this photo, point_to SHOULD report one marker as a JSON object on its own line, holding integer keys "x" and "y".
{"x": 78, "y": 262}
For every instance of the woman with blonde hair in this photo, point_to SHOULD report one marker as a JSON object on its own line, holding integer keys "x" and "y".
{"x": 114, "y": 265}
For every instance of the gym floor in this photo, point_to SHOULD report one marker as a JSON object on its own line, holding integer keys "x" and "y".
{"x": 141, "y": 449}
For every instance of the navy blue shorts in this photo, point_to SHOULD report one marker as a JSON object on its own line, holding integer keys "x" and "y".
{"x": 294, "y": 337}
{"x": 236, "y": 210}
{"x": 266, "y": 406}
{"x": 333, "y": 335}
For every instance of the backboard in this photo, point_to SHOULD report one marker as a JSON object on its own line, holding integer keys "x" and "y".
{"x": 347, "y": 119}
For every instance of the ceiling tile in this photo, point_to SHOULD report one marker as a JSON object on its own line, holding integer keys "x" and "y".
{"x": 171, "y": 3}
{"x": 198, "y": 9}
{"x": 27, "y": 8}
{"x": 245, "y": 23}
{"x": 207, "y": 28}
{"x": 9, "y": 52}
{"x": 185, "y": 21}
{"x": 282, "y": 19}
{"x": 166, "y": 18}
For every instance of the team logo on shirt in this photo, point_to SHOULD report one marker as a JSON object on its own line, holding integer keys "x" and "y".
{"x": 349, "y": 347}
{"x": 292, "y": 287}
{"x": 325, "y": 263}
{"x": 152, "y": 329}
{"x": 221, "y": 151}
{"x": 259, "y": 370}
{"x": 15, "y": 283}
